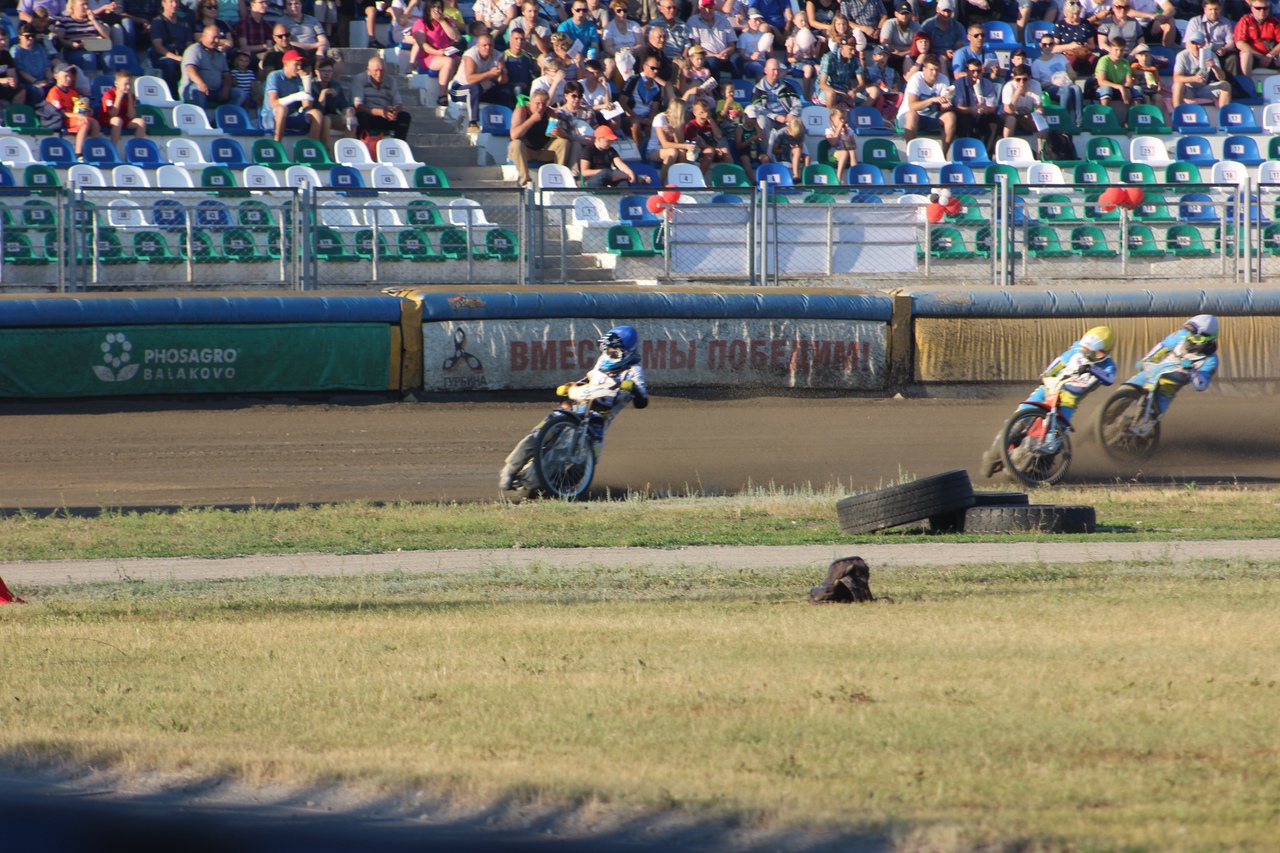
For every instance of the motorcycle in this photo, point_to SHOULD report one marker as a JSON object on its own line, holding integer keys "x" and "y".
{"x": 1036, "y": 447}
{"x": 1129, "y": 427}
{"x": 564, "y": 453}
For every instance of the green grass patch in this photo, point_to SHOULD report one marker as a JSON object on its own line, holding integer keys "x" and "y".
{"x": 764, "y": 517}
{"x": 1123, "y": 706}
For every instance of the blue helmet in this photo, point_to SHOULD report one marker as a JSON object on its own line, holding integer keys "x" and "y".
{"x": 618, "y": 348}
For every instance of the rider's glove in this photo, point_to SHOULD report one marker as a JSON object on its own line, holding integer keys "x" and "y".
{"x": 627, "y": 385}
{"x": 1187, "y": 364}
{"x": 562, "y": 391}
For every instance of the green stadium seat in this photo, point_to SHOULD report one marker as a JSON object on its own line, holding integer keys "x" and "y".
{"x": 1143, "y": 243}
{"x": 256, "y": 216}
{"x": 1088, "y": 241}
{"x": 1098, "y": 119}
{"x": 1056, "y": 208}
{"x": 502, "y": 244}
{"x": 151, "y": 246}
{"x": 19, "y": 249}
{"x": 1271, "y": 239}
{"x": 156, "y": 123}
{"x": 240, "y": 245}
{"x": 993, "y": 171}
{"x": 424, "y": 214}
{"x": 328, "y": 245}
{"x": 202, "y": 248}
{"x": 625, "y": 240}
{"x": 947, "y": 243}
{"x": 1148, "y": 119}
{"x": 1094, "y": 213}
{"x": 1154, "y": 208}
{"x": 729, "y": 176}
{"x": 817, "y": 198}
{"x": 970, "y": 212}
{"x": 1182, "y": 173}
{"x": 982, "y": 243}
{"x": 882, "y": 153}
{"x": 23, "y": 119}
{"x": 39, "y": 215}
{"x": 431, "y": 178}
{"x": 1105, "y": 151}
{"x": 1091, "y": 173}
{"x": 1185, "y": 241}
{"x": 1043, "y": 242}
{"x": 41, "y": 178}
{"x": 819, "y": 174}
{"x": 414, "y": 245}
{"x": 269, "y": 153}
{"x": 309, "y": 152}
{"x": 1137, "y": 173}
{"x": 1062, "y": 120}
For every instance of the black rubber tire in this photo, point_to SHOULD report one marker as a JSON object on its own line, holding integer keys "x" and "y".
{"x": 1120, "y": 445}
{"x": 926, "y": 497}
{"x": 551, "y": 473}
{"x": 1042, "y": 518}
{"x": 953, "y": 522}
{"x": 1042, "y": 472}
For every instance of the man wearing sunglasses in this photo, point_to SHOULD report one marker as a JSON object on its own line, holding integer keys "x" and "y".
{"x": 1258, "y": 38}
{"x": 1119, "y": 27}
{"x": 580, "y": 29}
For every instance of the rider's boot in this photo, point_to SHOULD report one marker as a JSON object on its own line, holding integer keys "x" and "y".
{"x": 516, "y": 461}
{"x": 992, "y": 463}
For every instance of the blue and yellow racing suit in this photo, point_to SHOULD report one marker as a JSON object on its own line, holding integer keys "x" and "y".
{"x": 1196, "y": 369}
{"x": 1085, "y": 376}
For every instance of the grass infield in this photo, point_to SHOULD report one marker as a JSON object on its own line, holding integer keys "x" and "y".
{"x": 1121, "y": 706}
{"x": 762, "y": 517}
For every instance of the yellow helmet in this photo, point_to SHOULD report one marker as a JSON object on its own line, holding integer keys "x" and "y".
{"x": 1099, "y": 340}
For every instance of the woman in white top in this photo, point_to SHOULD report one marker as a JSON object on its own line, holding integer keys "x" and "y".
{"x": 667, "y": 145}
{"x": 552, "y": 81}
{"x": 1052, "y": 71}
{"x": 403, "y": 16}
{"x": 621, "y": 33}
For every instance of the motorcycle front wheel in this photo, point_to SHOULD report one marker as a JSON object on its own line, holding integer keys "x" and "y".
{"x": 1028, "y": 458}
{"x": 1126, "y": 434}
{"x": 564, "y": 459}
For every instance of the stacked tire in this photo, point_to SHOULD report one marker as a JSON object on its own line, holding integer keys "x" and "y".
{"x": 946, "y": 503}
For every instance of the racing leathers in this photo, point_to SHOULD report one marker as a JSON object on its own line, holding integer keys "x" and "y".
{"x": 1196, "y": 369}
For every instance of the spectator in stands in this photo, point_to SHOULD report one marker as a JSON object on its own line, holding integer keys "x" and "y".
{"x": 1120, "y": 27}
{"x": 207, "y": 16}
{"x": 1258, "y": 38}
{"x": 884, "y": 86}
{"x": 117, "y": 111}
{"x": 137, "y": 16}
{"x": 840, "y": 29}
{"x": 496, "y": 15}
{"x": 170, "y": 36}
{"x": 533, "y": 138}
{"x": 865, "y": 16}
{"x": 1157, "y": 17}
{"x": 596, "y": 93}
{"x": 710, "y": 146}
{"x": 821, "y": 13}
{"x": 535, "y": 28}
{"x": 433, "y": 50}
{"x": 253, "y": 32}
{"x": 773, "y": 102}
{"x": 370, "y": 10}
{"x": 27, "y": 8}
{"x": 570, "y": 62}
{"x": 1197, "y": 76}
{"x": 982, "y": 11}
{"x": 696, "y": 81}
{"x": 803, "y": 53}
{"x": 655, "y": 44}
{"x": 840, "y": 77}
{"x": 552, "y": 81}
{"x": 1115, "y": 80}
{"x": 580, "y": 29}
{"x": 1050, "y": 70}
{"x": 756, "y": 44}
{"x": 927, "y": 104}
{"x": 714, "y": 32}
{"x": 35, "y": 72}
{"x": 72, "y": 28}
{"x": 291, "y": 106}
{"x": 1219, "y": 35}
{"x": 306, "y": 33}
{"x": 521, "y": 66}
{"x": 788, "y": 148}
{"x": 977, "y": 102}
{"x": 945, "y": 33}
{"x": 1146, "y": 77}
{"x": 273, "y": 60}
{"x": 841, "y": 143}
{"x": 678, "y": 38}
{"x": 578, "y": 119}
{"x": 333, "y": 102}
{"x": 74, "y": 107}
{"x": 644, "y": 97}
{"x": 1020, "y": 102}
{"x": 377, "y": 102}
{"x": 621, "y": 33}
{"x": 976, "y": 49}
{"x": 11, "y": 89}
{"x": 401, "y": 31}
{"x": 1076, "y": 39}
{"x": 897, "y": 35}
{"x": 245, "y": 79}
{"x": 207, "y": 80}
{"x": 484, "y": 75}
{"x": 668, "y": 144}
{"x": 600, "y": 166}
{"x": 1034, "y": 10}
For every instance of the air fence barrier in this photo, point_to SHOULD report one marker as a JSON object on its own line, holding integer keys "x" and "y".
{"x": 98, "y": 239}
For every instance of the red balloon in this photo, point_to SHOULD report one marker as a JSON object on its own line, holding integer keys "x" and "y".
{"x": 669, "y": 196}
{"x": 1135, "y": 197}
{"x": 1112, "y": 197}
{"x": 954, "y": 206}
{"x": 934, "y": 212}
{"x": 655, "y": 205}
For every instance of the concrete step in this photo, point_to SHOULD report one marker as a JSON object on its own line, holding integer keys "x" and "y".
{"x": 443, "y": 139}
{"x": 448, "y": 158}
{"x": 471, "y": 175}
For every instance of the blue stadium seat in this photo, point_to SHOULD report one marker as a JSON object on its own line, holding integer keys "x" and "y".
{"x": 970, "y": 151}
{"x": 1242, "y": 149}
{"x": 909, "y": 173}
{"x": 99, "y": 152}
{"x": 236, "y": 121}
{"x": 863, "y": 174}
{"x": 631, "y": 208}
{"x": 1238, "y": 118}
{"x": 57, "y": 152}
{"x": 229, "y": 153}
{"x": 1195, "y": 149}
{"x": 495, "y": 119}
{"x": 956, "y": 173}
{"x": 143, "y": 153}
{"x": 1192, "y": 118}
{"x": 122, "y": 57}
{"x": 867, "y": 121}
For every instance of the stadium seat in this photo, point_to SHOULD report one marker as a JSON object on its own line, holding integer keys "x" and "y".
{"x": 174, "y": 176}
{"x": 57, "y": 152}
{"x": 353, "y": 152}
{"x": 1031, "y": 35}
{"x": 1182, "y": 173}
{"x": 1153, "y": 208}
{"x": 774, "y": 174}
{"x": 384, "y": 177}
{"x": 129, "y": 177}
{"x": 193, "y": 121}
{"x": 992, "y": 174}
{"x": 1149, "y": 150}
{"x": 632, "y": 209}
{"x": 1271, "y": 113}
{"x": 269, "y": 153}
{"x": 1238, "y": 118}
{"x": 1163, "y": 58}
{"x": 454, "y": 245}
{"x": 817, "y": 198}
{"x": 184, "y": 152}
{"x": 1241, "y": 149}
{"x": 83, "y": 175}
{"x": 1196, "y": 207}
{"x": 742, "y": 90}
{"x": 1229, "y": 172}
{"x": 122, "y": 57}
{"x": 240, "y": 245}
{"x": 1044, "y": 243}
{"x": 1093, "y": 211}
{"x": 1269, "y": 172}
{"x": 7, "y": 178}
{"x": 1099, "y": 119}
{"x": 1105, "y": 151}
{"x": 1246, "y": 84}
{"x": 911, "y": 174}
{"x": 348, "y": 180}
{"x": 1271, "y": 239}
{"x": 815, "y": 119}
{"x": 1185, "y": 241}
{"x": 819, "y": 174}
{"x": 882, "y": 153}
{"x": 867, "y": 121}
{"x": 256, "y": 216}
{"x": 685, "y": 176}
{"x": 1143, "y": 243}
{"x": 414, "y": 245}
{"x": 969, "y": 151}
{"x": 1195, "y": 149}
{"x": 16, "y": 152}
{"x": 257, "y": 177}
{"x": 1137, "y": 173}
{"x": 947, "y": 242}
{"x": 863, "y": 173}
{"x": 1016, "y": 152}
{"x": 552, "y": 176}
{"x": 1001, "y": 36}
{"x": 467, "y": 213}
{"x": 647, "y": 170}
{"x": 926, "y": 153}
{"x": 19, "y": 249}
{"x": 152, "y": 247}
{"x": 212, "y": 215}
{"x": 1056, "y": 208}
{"x": 169, "y": 215}
{"x": 97, "y": 86}
{"x": 430, "y": 178}
{"x": 424, "y": 214}
{"x": 143, "y": 153}
{"x": 956, "y": 173}
{"x": 728, "y": 176}
{"x": 1088, "y": 241}
{"x": 1192, "y": 118}
{"x": 328, "y": 245}
{"x": 235, "y": 121}
{"x": 1042, "y": 174}
{"x": 227, "y": 152}
{"x": 309, "y": 152}
{"x": 41, "y": 177}
{"x": 218, "y": 177}
{"x": 502, "y": 244}
{"x": 396, "y": 152}
{"x": 1147, "y": 119}
{"x": 22, "y": 119}
{"x": 1062, "y": 120}
{"x": 970, "y": 211}
{"x": 495, "y": 119}
{"x": 302, "y": 177}
{"x": 101, "y": 153}
{"x": 154, "y": 92}
{"x": 126, "y": 214}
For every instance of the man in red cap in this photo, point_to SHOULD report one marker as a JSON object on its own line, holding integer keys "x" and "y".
{"x": 601, "y": 166}
{"x": 289, "y": 105}
{"x": 714, "y": 31}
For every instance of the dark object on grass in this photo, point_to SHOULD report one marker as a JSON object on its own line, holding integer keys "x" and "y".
{"x": 848, "y": 580}
{"x": 1042, "y": 518}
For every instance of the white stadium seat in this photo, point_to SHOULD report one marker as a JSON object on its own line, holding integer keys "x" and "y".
{"x": 385, "y": 177}
{"x": 84, "y": 175}
{"x": 1150, "y": 150}
{"x": 258, "y": 177}
{"x": 927, "y": 153}
{"x": 174, "y": 175}
{"x": 193, "y": 121}
{"x": 154, "y": 92}
{"x": 129, "y": 177}
{"x": 302, "y": 176}
{"x": 398, "y": 153}
{"x": 686, "y": 176}
{"x": 1016, "y": 152}
{"x": 184, "y": 152}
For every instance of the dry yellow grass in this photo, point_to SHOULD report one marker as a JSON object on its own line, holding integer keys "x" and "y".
{"x": 1102, "y": 707}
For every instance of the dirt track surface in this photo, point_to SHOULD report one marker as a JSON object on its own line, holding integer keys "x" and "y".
{"x": 167, "y": 453}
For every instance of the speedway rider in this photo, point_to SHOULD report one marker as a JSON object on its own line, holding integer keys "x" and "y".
{"x": 617, "y": 366}
{"x": 1087, "y": 362}
{"x": 1195, "y": 346}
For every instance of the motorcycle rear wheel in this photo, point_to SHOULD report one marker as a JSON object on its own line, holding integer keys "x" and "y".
{"x": 1115, "y": 427}
{"x": 1025, "y": 461}
{"x": 564, "y": 460}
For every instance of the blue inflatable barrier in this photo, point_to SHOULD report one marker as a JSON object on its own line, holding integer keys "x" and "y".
{"x": 168, "y": 310}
